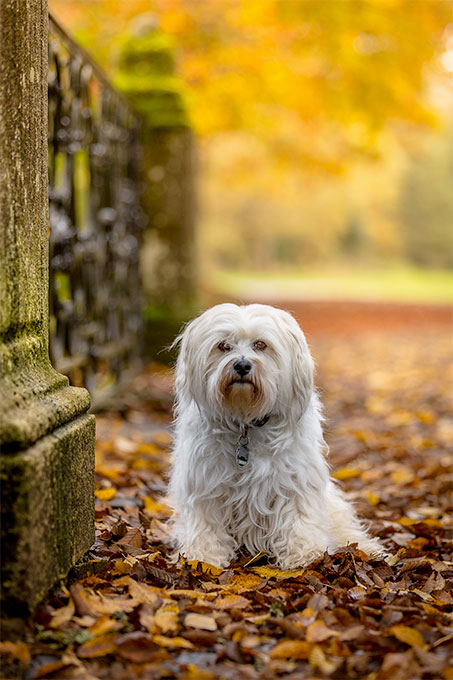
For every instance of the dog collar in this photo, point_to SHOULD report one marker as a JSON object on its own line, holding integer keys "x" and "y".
{"x": 242, "y": 447}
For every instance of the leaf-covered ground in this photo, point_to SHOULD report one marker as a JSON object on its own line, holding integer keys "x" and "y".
{"x": 127, "y": 612}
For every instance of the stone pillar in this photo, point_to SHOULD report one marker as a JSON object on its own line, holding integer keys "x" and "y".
{"x": 46, "y": 436}
{"x": 147, "y": 77}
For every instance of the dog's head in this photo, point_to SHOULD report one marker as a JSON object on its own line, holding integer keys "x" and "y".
{"x": 244, "y": 363}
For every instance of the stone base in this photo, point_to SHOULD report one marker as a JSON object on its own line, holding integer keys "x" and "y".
{"x": 47, "y": 513}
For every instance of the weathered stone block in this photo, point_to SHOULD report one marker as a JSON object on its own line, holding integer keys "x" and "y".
{"x": 46, "y": 521}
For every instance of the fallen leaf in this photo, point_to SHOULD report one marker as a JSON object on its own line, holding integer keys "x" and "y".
{"x": 205, "y": 568}
{"x": 105, "y": 494}
{"x": 155, "y": 508}
{"x": 17, "y": 651}
{"x": 137, "y": 647}
{"x": 63, "y": 615}
{"x": 91, "y": 604}
{"x": 231, "y": 602}
{"x": 177, "y": 642}
{"x": 410, "y": 636}
{"x": 347, "y": 473}
{"x": 291, "y": 649}
{"x": 318, "y": 631}
{"x": 200, "y": 621}
{"x": 98, "y": 646}
{"x": 167, "y": 621}
{"x": 242, "y": 583}
{"x": 318, "y": 659}
{"x": 278, "y": 574}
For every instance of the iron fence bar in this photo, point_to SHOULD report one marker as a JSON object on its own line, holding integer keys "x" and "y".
{"x": 96, "y": 223}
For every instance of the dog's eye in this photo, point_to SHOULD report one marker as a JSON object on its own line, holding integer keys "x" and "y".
{"x": 260, "y": 345}
{"x": 224, "y": 346}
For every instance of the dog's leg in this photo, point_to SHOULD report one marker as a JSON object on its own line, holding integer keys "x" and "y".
{"x": 303, "y": 542}
{"x": 200, "y": 537}
{"x": 345, "y": 527}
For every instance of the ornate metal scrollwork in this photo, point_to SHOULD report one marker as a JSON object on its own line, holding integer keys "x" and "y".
{"x": 95, "y": 222}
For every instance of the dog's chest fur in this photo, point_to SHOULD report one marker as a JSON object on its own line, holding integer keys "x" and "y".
{"x": 252, "y": 500}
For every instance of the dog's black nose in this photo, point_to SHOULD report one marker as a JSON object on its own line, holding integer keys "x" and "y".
{"x": 242, "y": 366}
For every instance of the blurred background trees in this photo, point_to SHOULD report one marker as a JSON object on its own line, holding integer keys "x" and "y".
{"x": 324, "y": 140}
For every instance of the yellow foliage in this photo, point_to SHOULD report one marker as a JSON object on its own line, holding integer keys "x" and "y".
{"x": 105, "y": 494}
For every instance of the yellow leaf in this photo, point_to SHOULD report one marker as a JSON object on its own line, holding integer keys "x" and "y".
{"x": 402, "y": 476}
{"x": 410, "y": 636}
{"x": 195, "y": 673}
{"x": 167, "y": 621}
{"x": 104, "y": 624}
{"x": 278, "y": 574}
{"x": 426, "y": 416}
{"x": 407, "y": 521}
{"x": 105, "y": 494}
{"x": 318, "y": 659}
{"x": 205, "y": 568}
{"x": 241, "y": 583}
{"x": 347, "y": 473}
{"x": 200, "y": 621}
{"x": 372, "y": 498}
{"x": 155, "y": 508}
{"x": 291, "y": 649}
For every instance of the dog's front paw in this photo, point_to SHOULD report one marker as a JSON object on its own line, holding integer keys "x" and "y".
{"x": 220, "y": 557}
{"x": 297, "y": 560}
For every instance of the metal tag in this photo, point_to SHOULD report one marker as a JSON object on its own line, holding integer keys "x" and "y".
{"x": 242, "y": 454}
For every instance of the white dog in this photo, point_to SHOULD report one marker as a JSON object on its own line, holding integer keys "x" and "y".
{"x": 249, "y": 466}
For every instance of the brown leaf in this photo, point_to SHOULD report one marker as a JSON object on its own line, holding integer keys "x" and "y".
{"x": 356, "y": 593}
{"x": 143, "y": 593}
{"x": 291, "y": 649}
{"x": 98, "y": 646}
{"x": 91, "y": 604}
{"x": 231, "y": 602}
{"x": 63, "y": 615}
{"x": 132, "y": 537}
{"x": 202, "y": 638}
{"x": 318, "y": 631}
{"x": 176, "y": 642}
{"x": 137, "y": 647}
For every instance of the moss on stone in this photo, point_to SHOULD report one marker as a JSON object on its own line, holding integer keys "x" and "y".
{"x": 146, "y": 76}
{"x": 47, "y": 513}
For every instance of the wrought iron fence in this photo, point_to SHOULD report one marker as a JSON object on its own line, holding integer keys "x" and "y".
{"x": 95, "y": 223}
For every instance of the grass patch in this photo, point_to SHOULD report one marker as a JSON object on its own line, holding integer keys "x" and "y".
{"x": 401, "y": 284}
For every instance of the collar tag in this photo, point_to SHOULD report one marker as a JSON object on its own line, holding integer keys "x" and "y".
{"x": 242, "y": 447}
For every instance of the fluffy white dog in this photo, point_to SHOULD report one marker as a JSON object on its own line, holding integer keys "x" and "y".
{"x": 249, "y": 467}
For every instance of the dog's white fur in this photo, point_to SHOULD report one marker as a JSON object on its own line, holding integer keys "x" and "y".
{"x": 283, "y": 501}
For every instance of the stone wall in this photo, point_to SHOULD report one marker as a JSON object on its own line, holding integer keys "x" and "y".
{"x": 46, "y": 436}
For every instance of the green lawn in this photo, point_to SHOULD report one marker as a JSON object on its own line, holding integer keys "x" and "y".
{"x": 401, "y": 284}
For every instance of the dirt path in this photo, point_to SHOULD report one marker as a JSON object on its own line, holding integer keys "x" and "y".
{"x": 326, "y": 317}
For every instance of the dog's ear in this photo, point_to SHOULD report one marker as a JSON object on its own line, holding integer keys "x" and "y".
{"x": 187, "y": 367}
{"x": 302, "y": 367}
